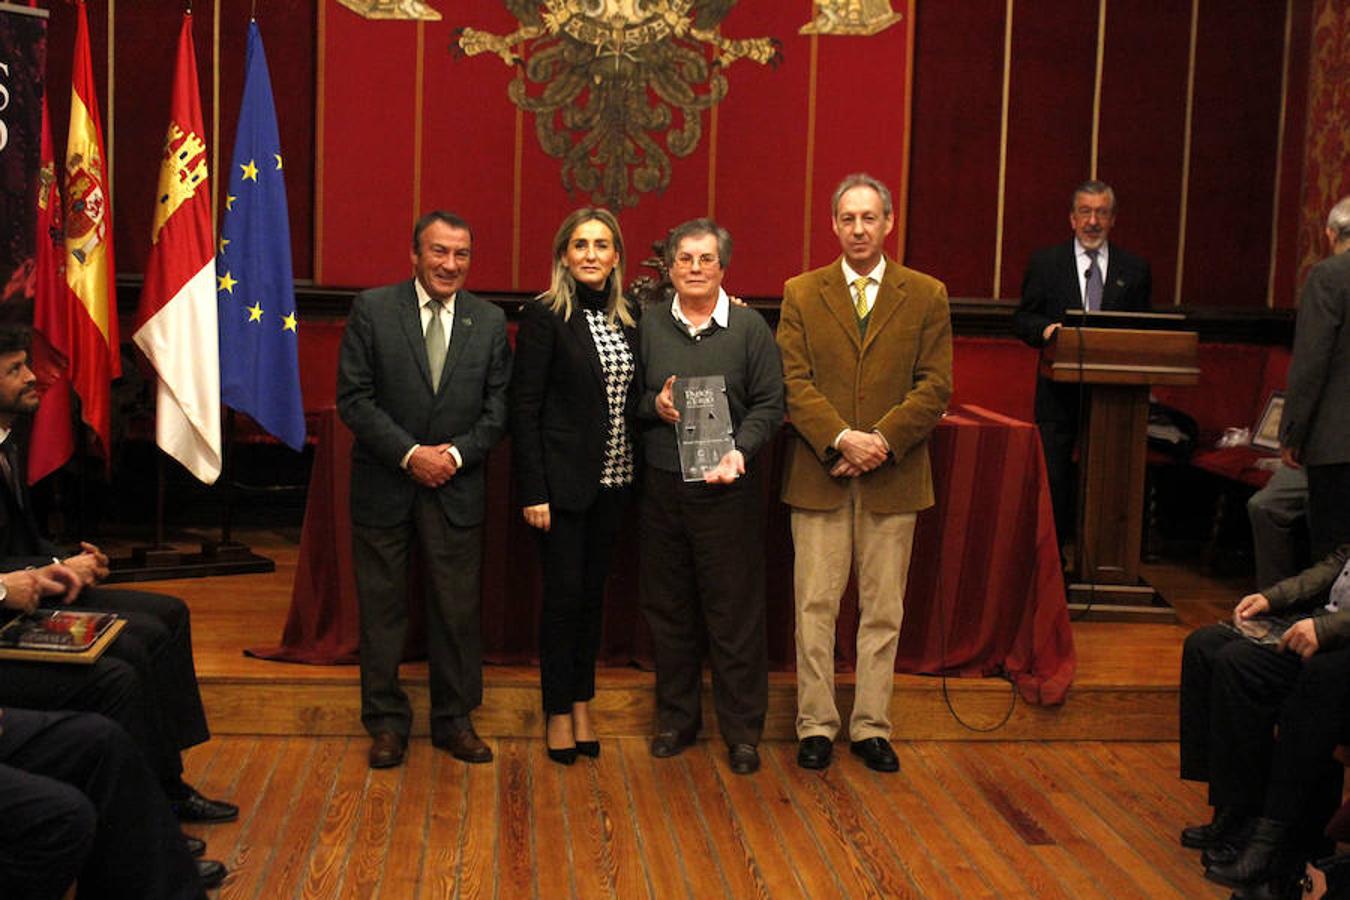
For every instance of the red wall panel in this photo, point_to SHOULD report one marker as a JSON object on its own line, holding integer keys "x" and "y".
{"x": 1050, "y": 127}
{"x": 953, "y": 200}
{"x": 1291, "y": 162}
{"x": 1234, "y": 131}
{"x": 755, "y": 177}
{"x": 1142, "y": 129}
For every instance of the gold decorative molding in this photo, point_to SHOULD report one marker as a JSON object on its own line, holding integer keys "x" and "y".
{"x": 853, "y": 17}
{"x": 412, "y": 10}
{"x": 613, "y": 76}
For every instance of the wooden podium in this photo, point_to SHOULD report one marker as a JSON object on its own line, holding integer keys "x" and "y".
{"x": 1117, "y": 366}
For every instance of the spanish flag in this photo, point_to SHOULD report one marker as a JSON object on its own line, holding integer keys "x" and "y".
{"x": 91, "y": 331}
{"x": 53, "y": 439}
{"x": 176, "y": 324}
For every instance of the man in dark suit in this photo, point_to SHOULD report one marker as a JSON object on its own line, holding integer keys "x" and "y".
{"x": 165, "y": 716}
{"x": 422, "y": 380}
{"x": 1084, "y": 273}
{"x": 1315, "y": 426}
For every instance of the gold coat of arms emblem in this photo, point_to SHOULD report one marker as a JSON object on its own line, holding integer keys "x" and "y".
{"x": 618, "y": 86}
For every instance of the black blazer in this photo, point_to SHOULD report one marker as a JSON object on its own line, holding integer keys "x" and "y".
{"x": 1050, "y": 286}
{"x": 21, "y": 541}
{"x": 559, "y": 409}
{"x": 385, "y": 396}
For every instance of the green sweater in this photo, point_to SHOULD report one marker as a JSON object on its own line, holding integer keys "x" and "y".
{"x": 744, "y": 353}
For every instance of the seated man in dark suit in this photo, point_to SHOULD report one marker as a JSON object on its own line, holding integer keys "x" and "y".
{"x": 156, "y": 642}
{"x": 1086, "y": 273}
{"x": 1259, "y": 722}
{"x": 78, "y": 802}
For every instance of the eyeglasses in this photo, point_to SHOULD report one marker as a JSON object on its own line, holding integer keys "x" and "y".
{"x": 706, "y": 261}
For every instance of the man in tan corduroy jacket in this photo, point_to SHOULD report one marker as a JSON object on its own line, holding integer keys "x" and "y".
{"x": 867, "y": 363}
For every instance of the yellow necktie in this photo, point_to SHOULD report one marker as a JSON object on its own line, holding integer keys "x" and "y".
{"x": 860, "y": 302}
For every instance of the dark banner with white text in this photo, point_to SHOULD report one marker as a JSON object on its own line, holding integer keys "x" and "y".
{"x": 23, "y": 54}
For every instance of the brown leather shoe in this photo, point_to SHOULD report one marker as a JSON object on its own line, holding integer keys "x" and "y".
{"x": 465, "y": 745}
{"x": 386, "y": 750}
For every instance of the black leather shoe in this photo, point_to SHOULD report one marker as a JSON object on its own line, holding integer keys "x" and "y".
{"x": 386, "y": 750}
{"x": 877, "y": 754}
{"x": 670, "y": 743}
{"x": 196, "y": 846}
{"x": 1219, "y": 854}
{"x": 814, "y": 752}
{"x": 589, "y": 748}
{"x": 196, "y": 808}
{"x": 744, "y": 758}
{"x": 1259, "y": 860}
{"x": 1227, "y": 822}
{"x": 211, "y": 872}
{"x": 466, "y": 746}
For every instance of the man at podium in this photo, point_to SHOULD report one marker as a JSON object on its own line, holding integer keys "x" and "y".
{"x": 1085, "y": 273}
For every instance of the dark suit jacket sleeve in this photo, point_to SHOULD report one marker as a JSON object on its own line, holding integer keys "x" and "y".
{"x": 1315, "y": 337}
{"x": 1041, "y": 305}
{"x": 474, "y": 444}
{"x": 529, "y": 385}
{"x": 372, "y": 427}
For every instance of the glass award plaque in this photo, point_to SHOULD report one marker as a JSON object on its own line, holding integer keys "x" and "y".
{"x": 703, "y": 433}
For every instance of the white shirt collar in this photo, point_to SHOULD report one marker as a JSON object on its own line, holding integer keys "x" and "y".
{"x": 4, "y": 433}
{"x": 721, "y": 313}
{"x": 1102, "y": 253}
{"x": 851, "y": 276}
{"x": 423, "y": 298}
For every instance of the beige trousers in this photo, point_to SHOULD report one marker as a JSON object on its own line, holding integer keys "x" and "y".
{"x": 827, "y": 546}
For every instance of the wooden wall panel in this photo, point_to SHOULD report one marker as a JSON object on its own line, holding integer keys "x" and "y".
{"x": 1054, "y": 52}
{"x": 953, "y": 203}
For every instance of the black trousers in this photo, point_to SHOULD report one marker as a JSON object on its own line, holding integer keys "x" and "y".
{"x": 1057, "y": 442}
{"x": 1328, "y": 508}
{"x": 575, "y": 553}
{"x": 77, "y": 801}
{"x": 452, "y": 559}
{"x": 701, "y": 583}
{"x": 146, "y": 681}
{"x": 1236, "y": 696}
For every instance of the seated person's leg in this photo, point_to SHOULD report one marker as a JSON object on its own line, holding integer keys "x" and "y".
{"x": 47, "y": 827}
{"x": 138, "y": 850}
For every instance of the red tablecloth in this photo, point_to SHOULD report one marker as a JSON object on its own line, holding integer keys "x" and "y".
{"x": 985, "y": 593}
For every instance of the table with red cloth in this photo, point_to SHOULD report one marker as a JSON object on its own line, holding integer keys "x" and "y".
{"x": 985, "y": 594}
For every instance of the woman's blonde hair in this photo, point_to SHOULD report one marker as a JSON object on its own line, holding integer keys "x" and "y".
{"x": 562, "y": 290}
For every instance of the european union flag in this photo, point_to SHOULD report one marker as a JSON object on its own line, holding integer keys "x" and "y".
{"x": 259, "y": 361}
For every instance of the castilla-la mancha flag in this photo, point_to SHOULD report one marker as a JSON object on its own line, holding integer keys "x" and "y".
{"x": 176, "y": 324}
{"x": 88, "y": 335}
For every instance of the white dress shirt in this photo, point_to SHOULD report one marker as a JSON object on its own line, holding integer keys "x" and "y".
{"x": 1084, "y": 262}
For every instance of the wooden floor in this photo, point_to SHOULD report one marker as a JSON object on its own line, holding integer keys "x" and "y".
{"x": 1079, "y": 801}
{"x": 961, "y": 819}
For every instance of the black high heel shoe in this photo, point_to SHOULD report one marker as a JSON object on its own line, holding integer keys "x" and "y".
{"x": 565, "y": 756}
{"x": 589, "y": 748}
